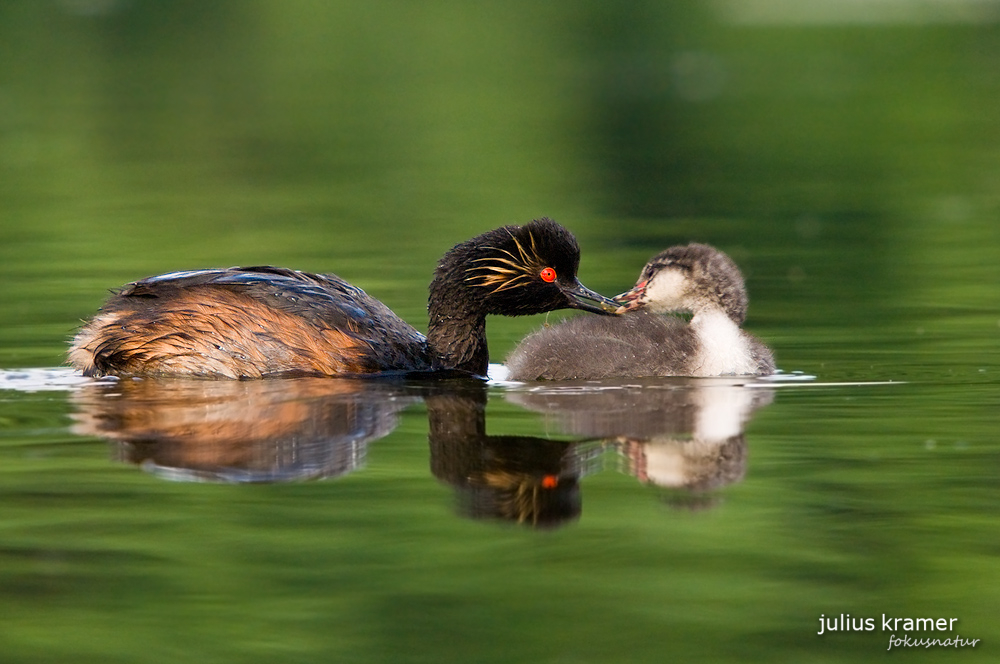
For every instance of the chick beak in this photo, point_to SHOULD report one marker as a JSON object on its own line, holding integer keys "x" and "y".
{"x": 581, "y": 297}
{"x": 632, "y": 299}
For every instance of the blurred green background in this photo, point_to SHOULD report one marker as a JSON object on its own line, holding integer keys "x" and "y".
{"x": 846, "y": 154}
{"x": 848, "y": 161}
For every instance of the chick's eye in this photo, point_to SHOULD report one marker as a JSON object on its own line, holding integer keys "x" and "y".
{"x": 547, "y": 274}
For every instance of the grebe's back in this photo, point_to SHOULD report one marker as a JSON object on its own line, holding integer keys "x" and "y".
{"x": 248, "y": 322}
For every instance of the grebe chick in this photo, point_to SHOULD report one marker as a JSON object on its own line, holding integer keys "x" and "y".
{"x": 255, "y": 322}
{"x": 695, "y": 278}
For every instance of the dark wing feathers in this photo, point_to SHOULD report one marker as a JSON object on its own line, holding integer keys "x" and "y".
{"x": 321, "y": 299}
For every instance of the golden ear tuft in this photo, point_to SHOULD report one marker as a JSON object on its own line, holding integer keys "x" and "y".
{"x": 505, "y": 270}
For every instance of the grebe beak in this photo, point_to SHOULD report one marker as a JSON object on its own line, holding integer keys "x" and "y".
{"x": 581, "y": 297}
{"x": 631, "y": 299}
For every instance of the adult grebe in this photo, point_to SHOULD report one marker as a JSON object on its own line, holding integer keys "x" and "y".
{"x": 695, "y": 278}
{"x": 266, "y": 321}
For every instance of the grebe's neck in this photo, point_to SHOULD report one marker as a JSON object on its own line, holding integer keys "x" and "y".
{"x": 456, "y": 335}
{"x": 456, "y": 331}
{"x": 722, "y": 346}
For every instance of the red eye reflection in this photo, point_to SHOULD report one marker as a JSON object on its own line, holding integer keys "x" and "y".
{"x": 547, "y": 274}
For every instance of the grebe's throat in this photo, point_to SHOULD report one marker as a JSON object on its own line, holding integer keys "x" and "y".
{"x": 722, "y": 346}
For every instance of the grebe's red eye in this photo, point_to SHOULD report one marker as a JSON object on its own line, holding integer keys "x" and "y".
{"x": 547, "y": 274}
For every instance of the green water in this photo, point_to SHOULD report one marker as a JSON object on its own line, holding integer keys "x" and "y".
{"x": 851, "y": 169}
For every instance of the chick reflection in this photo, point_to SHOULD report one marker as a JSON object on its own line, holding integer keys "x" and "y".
{"x": 681, "y": 434}
{"x": 241, "y": 431}
{"x": 533, "y": 481}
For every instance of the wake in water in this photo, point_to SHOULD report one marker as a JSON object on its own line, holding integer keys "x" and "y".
{"x": 44, "y": 380}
